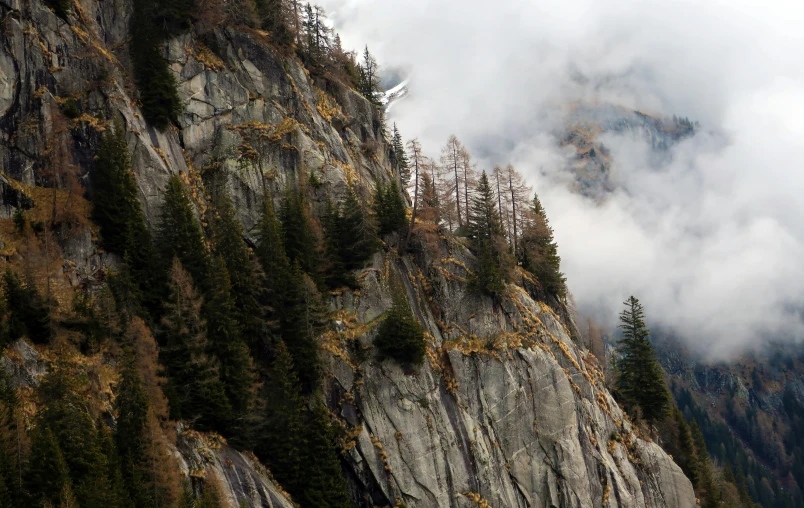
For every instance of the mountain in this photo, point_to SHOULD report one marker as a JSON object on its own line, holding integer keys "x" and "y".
{"x": 506, "y": 409}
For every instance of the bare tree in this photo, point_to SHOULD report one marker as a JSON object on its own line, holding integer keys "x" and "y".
{"x": 518, "y": 193}
{"x": 417, "y": 160}
{"x": 451, "y": 156}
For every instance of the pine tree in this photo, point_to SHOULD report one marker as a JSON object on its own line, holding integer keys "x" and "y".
{"x": 706, "y": 486}
{"x": 47, "y": 473}
{"x": 229, "y": 245}
{"x": 61, "y": 397}
{"x": 299, "y": 326}
{"x": 298, "y": 238}
{"x": 179, "y": 235}
{"x": 271, "y": 249}
{"x": 487, "y": 241}
{"x": 336, "y": 273}
{"x": 116, "y": 210}
{"x": 149, "y": 471}
{"x": 194, "y": 387}
{"x": 12, "y": 443}
{"x": 640, "y": 381}
{"x": 281, "y": 442}
{"x": 28, "y": 313}
{"x": 400, "y": 336}
{"x": 324, "y": 483}
{"x": 369, "y": 83}
{"x": 236, "y": 368}
{"x": 399, "y": 157}
{"x": 358, "y": 234}
{"x": 538, "y": 251}
{"x": 389, "y": 209}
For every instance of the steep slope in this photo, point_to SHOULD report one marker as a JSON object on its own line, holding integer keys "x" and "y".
{"x": 508, "y": 411}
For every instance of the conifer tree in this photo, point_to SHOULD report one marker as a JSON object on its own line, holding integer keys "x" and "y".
{"x": 12, "y": 442}
{"x": 271, "y": 252}
{"x": 369, "y": 83}
{"x": 116, "y": 210}
{"x": 194, "y": 387}
{"x": 417, "y": 160}
{"x": 299, "y": 239}
{"x": 487, "y": 241}
{"x": 399, "y": 157}
{"x": 389, "y": 209}
{"x": 640, "y": 381}
{"x": 148, "y": 469}
{"x": 337, "y": 275}
{"x": 281, "y": 441}
{"x": 28, "y": 313}
{"x": 707, "y": 488}
{"x": 358, "y": 233}
{"x": 299, "y": 326}
{"x": 227, "y": 235}
{"x": 48, "y": 473}
{"x": 61, "y": 397}
{"x": 400, "y": 336}
{"x": 538, "y": 251}
{"x": 236, "y": 369}
{"x": 324, "y": 483}
{"x": 179, "y": 235}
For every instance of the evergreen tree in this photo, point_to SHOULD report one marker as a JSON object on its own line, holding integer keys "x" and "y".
{"x": 48, "y": 473}
{"x": 149, "y": 473}
{"x": 194, "y": 387}
{"x": 271, "y": 249}
{"x": 12, "y": 438}
{"x": 281, "y": 442}
{"x": 389, "y": 208}
{"x": 400, "y": 336}
{"x": 28, "y": 313}
{"x": 299, "y": 326}
{"x": 116, "y": 210}
{"x": 399, "y": 158}
{"x": 324, "y": 484}
{"x": 61, "y": 397}
{"x": 229, "y": 245}
{"x": 369, "y": 82}
{"x": 640, "y": 381}
{"x": 488, "y": 241}
{"x": 337, "y": 275}
{"x": 152, "y": 23}
{"x": 538, "y": 251}
{"x": 179, "y": 235}
{"x": 358, "y": 234}
{"x": 707, "y": 488}
{"x": 299, "y": 240}
{"x": 236, "y": 368}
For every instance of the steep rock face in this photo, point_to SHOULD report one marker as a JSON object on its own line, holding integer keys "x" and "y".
{"x": 507, "y": 410}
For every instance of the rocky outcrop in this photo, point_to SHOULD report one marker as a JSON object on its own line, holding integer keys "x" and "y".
{"x": 507, "y": 411}
{"x": 241, "y": 478}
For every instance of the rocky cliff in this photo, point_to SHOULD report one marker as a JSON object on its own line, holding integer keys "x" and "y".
{"x": 508, "y": 410}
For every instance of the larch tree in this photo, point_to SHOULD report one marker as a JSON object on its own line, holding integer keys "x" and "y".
{"x": 468, "y": 176}
{"x": 517, "y": 194}
{"x": 416, "y": 160}
{"x": 452, "y": 155}
{"x": 640, "y": 381}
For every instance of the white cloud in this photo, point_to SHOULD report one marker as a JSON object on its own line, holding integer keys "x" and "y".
{"x": 712, "y": 241}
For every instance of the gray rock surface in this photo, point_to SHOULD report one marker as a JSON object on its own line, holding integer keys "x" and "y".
{"x": 506, "y": 412}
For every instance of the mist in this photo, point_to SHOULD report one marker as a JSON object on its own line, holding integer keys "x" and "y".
{"x": 711, "y": 239}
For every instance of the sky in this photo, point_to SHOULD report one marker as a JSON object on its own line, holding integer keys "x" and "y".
{"x": 712, "y": 239}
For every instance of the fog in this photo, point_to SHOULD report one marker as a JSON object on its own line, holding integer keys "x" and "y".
{"x": 712, "y": 239}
